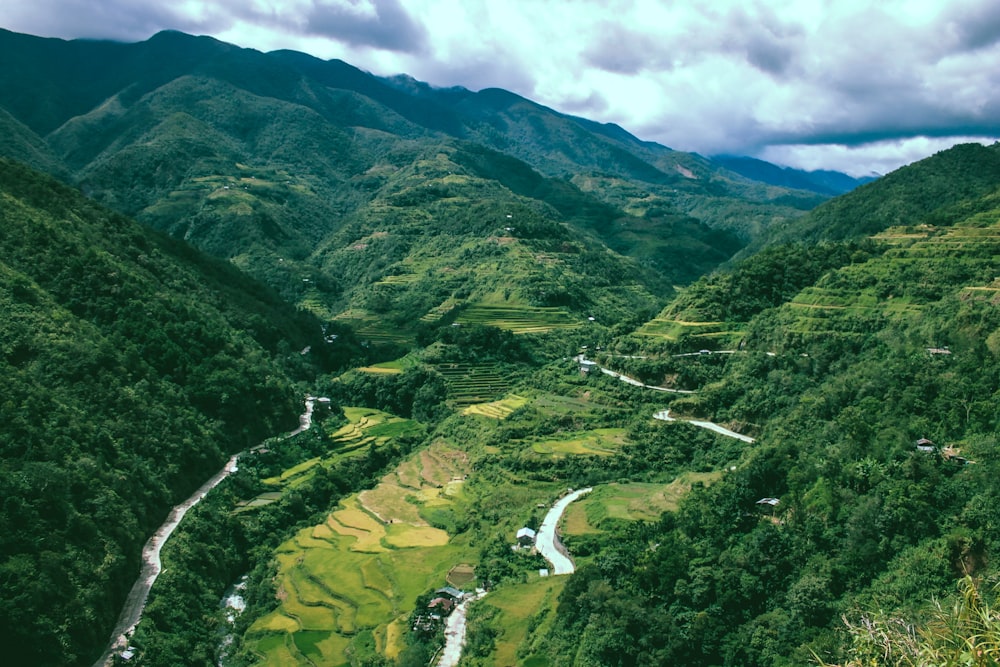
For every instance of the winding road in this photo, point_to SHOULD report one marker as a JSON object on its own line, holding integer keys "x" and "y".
{"x": 632, "y": 381}
{"x": 136, "y": 601}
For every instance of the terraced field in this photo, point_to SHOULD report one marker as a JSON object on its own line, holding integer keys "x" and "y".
{"x": 519, "y": 318}
{"x": 599, "y": 442}
{"x": 917, "y": 271}
{"x": 525, "y": 614}
{"x": 497, "y": 409}
{"x": 346, "y": 586}
{"x": 372, "y": 327}
{"x": 716, "y": 335}
{"x": 470, "y": 384}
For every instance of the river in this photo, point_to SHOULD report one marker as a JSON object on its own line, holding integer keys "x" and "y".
{"x": 664, "y": 415}
{"x": 547, "y": 540}
{"x": 136, "y": 601}
{"x": 548, "y": 544}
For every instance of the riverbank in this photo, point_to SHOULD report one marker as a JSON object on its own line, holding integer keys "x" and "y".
{"x": 135, "y": 603}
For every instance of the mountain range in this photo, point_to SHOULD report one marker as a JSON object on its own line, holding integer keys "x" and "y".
{"x": 196, "y": 235}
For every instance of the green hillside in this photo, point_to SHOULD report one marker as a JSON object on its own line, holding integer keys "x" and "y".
{"x": 132, "y": 367}
{"x": 850, "y": 355}
{"x": 777, "y": 443}
{"x": 280, "y": 161}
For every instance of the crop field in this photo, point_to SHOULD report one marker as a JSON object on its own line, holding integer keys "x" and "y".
{"x": 347, "y": 585}
{"x": 519, "y": 318}
{"x": 629, "y": 502}
{"x": 497, "y": 409}
{"x": 372, "y": 327}
{"x": 526, "y": 613}
{"x": 600, "y": 442}
{"x": 470, "y": 384}
{"x": 720, "y": 334}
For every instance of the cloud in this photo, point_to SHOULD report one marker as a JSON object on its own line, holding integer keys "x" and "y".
{"x": 734, "y": 76}
{"x": 376, "y": 24}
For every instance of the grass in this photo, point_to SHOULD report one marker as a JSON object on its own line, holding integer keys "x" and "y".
{"x": 629, "y": 502}
{"x": 347, "y": 585}
{"x": 600, "y": 442}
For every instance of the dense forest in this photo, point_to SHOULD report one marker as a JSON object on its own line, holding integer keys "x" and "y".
{"x": 459, "y": 281}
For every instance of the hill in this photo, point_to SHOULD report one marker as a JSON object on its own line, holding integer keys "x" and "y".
{"x": 822, "y": 181}
{"x": 279, "y": 161}
{"x": 132, "y": 367}
{"x": 867, "y": 372}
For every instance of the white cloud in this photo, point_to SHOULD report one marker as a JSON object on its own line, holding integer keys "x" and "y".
{"x": 865, "y": 159}
{"x": 734, "y": 76}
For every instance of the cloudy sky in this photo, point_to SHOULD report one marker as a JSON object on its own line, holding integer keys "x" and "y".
{"x": 842, "y": 84}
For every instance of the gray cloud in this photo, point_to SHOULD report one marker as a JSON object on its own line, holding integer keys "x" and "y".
{"x": 390, "y": 28}
{"x": 976, "y": 27}
{"x": 725, "y": 76}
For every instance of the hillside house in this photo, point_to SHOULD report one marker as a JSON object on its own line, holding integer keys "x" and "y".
{"x": 926, "y": 446}
{"x": 449, "y": 592}
{"x": 441, "y": 606}
{"x": 526, "y": 537}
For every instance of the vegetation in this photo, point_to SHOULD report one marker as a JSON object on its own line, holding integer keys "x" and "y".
{"x": 434, "y": 275}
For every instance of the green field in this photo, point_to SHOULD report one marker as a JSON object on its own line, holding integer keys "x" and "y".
{"x": 717, "y": 335}
{"x": 600, "y": 442}
{"x": 470, "y": 384}
{"x": 628, "y": 502}
{"x": 346, "y": 586}
{"x": 519, "y": 318}
{"x": 522, "y": 614}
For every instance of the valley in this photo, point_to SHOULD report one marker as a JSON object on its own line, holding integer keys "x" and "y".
{"x": 660, "y": 412}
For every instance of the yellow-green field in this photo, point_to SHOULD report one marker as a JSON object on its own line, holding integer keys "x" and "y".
{"x": 629, "y": 502}
{"x": 600, "y": 442}
{"x": 497, "y": 409}
{"x": 347, "y": 586}
{"x": 526, "y": 613}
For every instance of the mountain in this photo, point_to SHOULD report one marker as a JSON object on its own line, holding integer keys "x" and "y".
{"x": 132, "y": 368}
{"x": 867, "y": 368}
{"x": 820, "y": 181}
{"x": 286, "y": 165}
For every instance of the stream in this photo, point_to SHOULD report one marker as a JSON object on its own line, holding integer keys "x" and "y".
{"x": 664, "y": 415}
{"x": 136, "y": 601}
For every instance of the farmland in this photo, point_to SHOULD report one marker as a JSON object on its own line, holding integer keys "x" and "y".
{"x": 347, "y": 585}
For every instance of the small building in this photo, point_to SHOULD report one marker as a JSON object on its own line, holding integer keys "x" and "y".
{"x": 449, "y": 592}
{"x": 926, "y": 446}
{"x": 526, "y": 537}
{"x": 543, "y": 572}
{"x": 442, "y": 604}
{"x": 772, "y": 502}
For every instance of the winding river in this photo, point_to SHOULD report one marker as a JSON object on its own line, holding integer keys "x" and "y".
{"x": 547, "y": 541}
{"x": 136, "y": 601}
{"x": 664, "y": 415}
{"x": 548, "y": 544}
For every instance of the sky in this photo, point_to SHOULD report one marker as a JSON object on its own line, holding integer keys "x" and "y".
{"x": 854, "y": 86}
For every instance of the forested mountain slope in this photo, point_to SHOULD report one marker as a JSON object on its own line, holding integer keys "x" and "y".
{"x": 870, "y": 374}
{"x": 276, "y": 160}
{"x": 132, "y": 366}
